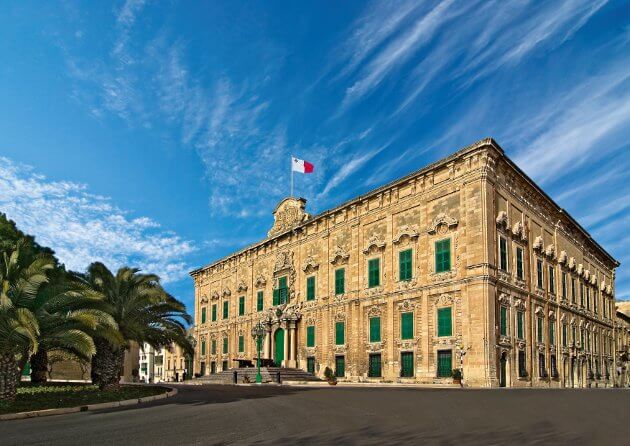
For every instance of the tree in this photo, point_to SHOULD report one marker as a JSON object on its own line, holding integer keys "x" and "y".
{"x": 144, "y": 312}
{"x": 19, "y": 329}
{"x": 69, "y": 314}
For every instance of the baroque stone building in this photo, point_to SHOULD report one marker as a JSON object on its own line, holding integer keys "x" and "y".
{"x": 465, "y": 264}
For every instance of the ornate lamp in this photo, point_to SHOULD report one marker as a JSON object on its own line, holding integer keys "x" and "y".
{"x": 258, "y": 333}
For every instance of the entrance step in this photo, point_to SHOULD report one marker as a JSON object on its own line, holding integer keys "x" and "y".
{"x": 245, "y": 375}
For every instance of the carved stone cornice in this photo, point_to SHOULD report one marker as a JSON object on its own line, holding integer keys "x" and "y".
{"x": 310, "y": 264}
{"x": 411, "y": 232}
{"x": 444, "y": 221}
{"x": 340, "y": 256}
{"x": 260, "y": 281}
{"x": 242, "y": 286}
{"x": 375, "y": 242}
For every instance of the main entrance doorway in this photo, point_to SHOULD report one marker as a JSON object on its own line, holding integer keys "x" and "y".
{"x": 278, "y": 340}
{"x": 503, "y": 370}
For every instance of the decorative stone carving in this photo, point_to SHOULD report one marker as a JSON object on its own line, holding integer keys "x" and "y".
{"x": 260, "y": 281}
{"x": 518, "y": 230}
{"x": 226, "y": 292}
{"x": 538, "y": 243}
{"x": 204, "y": 299}
{"x": 215, "y": 295}
{"x": 602, "y": 286}
{"x": 587, "y": 275}
{"x": 502, "y": 220}
{"x": 340, "y": 256}
{"x": 242, "y": 286}
{"x": 519, "y": 303}
{"x": 552, "y": 315}
{"x": 504, "y": 298}
{"x": 289, "y": 213}
{"x": 550, "y": 251}
{"x": 374, "y": 310}
{"x": 562, "y": 258}
{"x": 571, "y": 264}
{"x": 609, "y": 290}
{"x": 374, "y": 242}
{"x": 410, "y": 232}
{"x": 580, "y": 270}
{"x": 310, "y": 264}
{"x": 539, "y": 310}
{"x": 442, "y": 223}
{"x": 284, "y": 260}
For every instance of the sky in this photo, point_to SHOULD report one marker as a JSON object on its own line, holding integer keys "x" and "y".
{"x": 159, "y": 134}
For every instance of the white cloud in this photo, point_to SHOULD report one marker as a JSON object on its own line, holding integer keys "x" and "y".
{"x": 82, "y": 227}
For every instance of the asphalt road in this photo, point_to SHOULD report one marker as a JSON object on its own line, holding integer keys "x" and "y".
{"x": 201, "y": 415}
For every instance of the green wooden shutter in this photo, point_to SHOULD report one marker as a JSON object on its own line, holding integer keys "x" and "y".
{"x": 340, "y": 366}
{"x": 203, "y": 315}
{"x": 519, "y": 263}
{"x": 375, "y": 329}
{"x": 445, "y": 363}
{"x": 520, "y": 319}
{"x": 503, "y": 259}
{"x": 203, "y": 347}
{"x": 406, "y": 324}
{"x": 241, "y": 305}
{"x": 374, "y": 370}
{"x": 374, "y": 272}
{"x": 540, "y": 329}
{"x": 406, "y": 360}
{"x": 276, "y": 298}
{"x": 445, "y": 327}
{"x": 340, "y": 281}
{"x": 310, "y": 336}
{"x": 564, "y": 335}
{"x": 552, "y": 333}
{"x": 405, "y": 264}
{"x": 241, "y": 343}
{"x": 539, "y": 273}
{"x": 225, "y": 345}
{"x": 260, "y": 301}
{"x": 214, "y": 313}
{"x": 226, "y": 309}
{"x": 340, "y": 333}
{"x": 503, "y": 321}
{"x": 310, "y": 288}
{"x": 282, "y": 290}
{"x": 443, "y": 255}
{"x": 214, "y": 346}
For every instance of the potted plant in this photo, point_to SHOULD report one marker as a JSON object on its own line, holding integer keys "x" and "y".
{"x": 330, "y": 376}
{"x": 457, "y": 376}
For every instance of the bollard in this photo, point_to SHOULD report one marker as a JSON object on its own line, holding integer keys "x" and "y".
{"x": 235, "y": 377}
{"x": 278, "y": 378}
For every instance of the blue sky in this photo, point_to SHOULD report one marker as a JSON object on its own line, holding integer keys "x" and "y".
{"x": 158, "y": 134}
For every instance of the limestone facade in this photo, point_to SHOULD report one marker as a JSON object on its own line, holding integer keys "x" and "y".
{"x": 465, "y": 264}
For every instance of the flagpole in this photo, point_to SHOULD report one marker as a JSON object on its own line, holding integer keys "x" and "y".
{"x": 291, "y": 176}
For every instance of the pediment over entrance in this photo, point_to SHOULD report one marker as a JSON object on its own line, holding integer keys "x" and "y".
{"x": 289, "y": 213}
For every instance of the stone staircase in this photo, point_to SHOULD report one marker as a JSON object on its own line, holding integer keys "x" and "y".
{"x": 269, "y": 375}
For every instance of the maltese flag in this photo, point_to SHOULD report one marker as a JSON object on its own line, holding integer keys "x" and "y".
{"x": 301, "y": 166}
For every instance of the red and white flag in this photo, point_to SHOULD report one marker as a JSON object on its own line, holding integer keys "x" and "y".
{"x": 301, "y": 166}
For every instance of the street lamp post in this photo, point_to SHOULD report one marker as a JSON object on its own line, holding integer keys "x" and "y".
{"x": 258, "y": 333}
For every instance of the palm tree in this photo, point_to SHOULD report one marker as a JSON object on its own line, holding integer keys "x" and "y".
{"x": 69, "y": 314}
{"x": 144, "y": 312}
{"x": 19, "y": 329}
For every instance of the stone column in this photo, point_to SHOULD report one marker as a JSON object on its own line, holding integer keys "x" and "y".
{"x": 293, "y": 362}
{"x": 265, "y": 352}
{"x": 286, "y": 345}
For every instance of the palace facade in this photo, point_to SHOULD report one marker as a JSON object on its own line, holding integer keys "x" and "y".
{"x": 465, "y": 264}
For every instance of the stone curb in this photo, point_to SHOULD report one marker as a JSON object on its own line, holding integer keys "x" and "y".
{"x": 64, "y": 410}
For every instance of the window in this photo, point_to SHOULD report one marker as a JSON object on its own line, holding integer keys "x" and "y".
{"x": 310, "y": 336}
{"x": 539, "y": 273}
{"x": 310, "y": 364}
{"x": 310, "y": 288}
{"x": 564, "y": 285}
{"x": 588, "y": 298}
{"x": 374, "y": 370}
{"x": 260, "y": 301}
{"x": 225, "y": 345}
{"x": 503, "y": 256}
{"x": 340, "y": 366}
{"x": 572, "y": 289}
{"x": 241, "y": 344}
{"x": 374, "y": 272}
{"x": 539, "y": 330}
{"x": 214, "y": 347}
{"x": 375, "y": 329}
{"x": 581, "y": 294}
{"x": 519, "y": 263}
{"x": 406, "y": 325}
{"x": 226, "y": 309}
{"x": 503, "y": 321}
{"x": 241, "y": 305}
{"x": 445, "y": 327}
{"x": 552, "y": 333}
{"x": 520, "y": 323}
{"x": 573, "y": 335}
{"x": 443, "y": 255}
{"x": 564, "y": 335}
{"x": 554, "y": 368}
{"x": 340, "y": 279}
{"x": 542, "y": 371}
{"x": 340, "y": 333}
{"x": 522, "y": 364}
{"x": 445, "y": 363}
{"x": 203, "y": 315}
{"x": 213, "y": 367}
{"x": 214, "y": 313}
{"x": 406, "y": 362}
{"x": 281, "y": 294}
{"x": 552, "y": 280}
{"x": 203, "y": 348}
{"x": 404, "y": 265}
{"x": 224, "y": 365}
